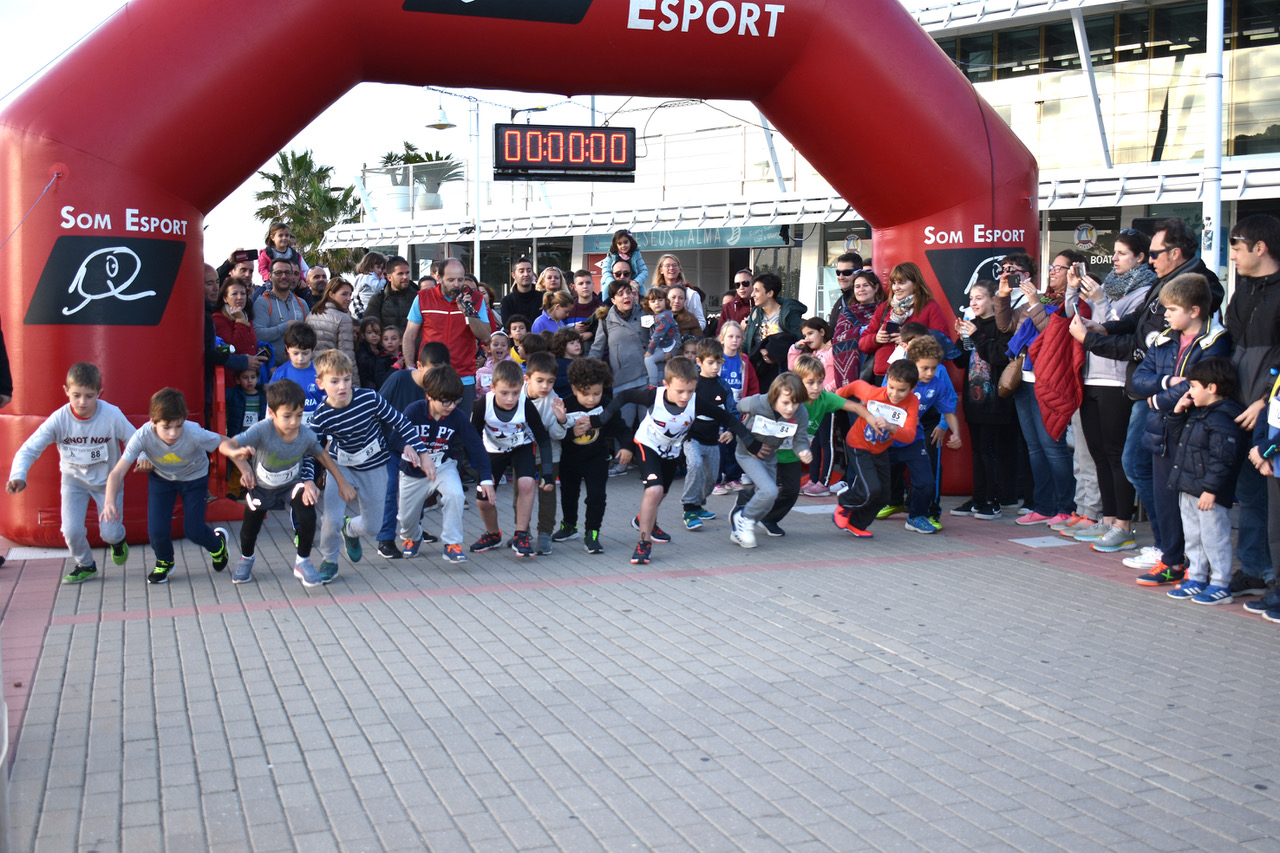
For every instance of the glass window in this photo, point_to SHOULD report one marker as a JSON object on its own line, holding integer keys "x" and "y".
{"x": 1132, "y": 36}
{"x": 948, "y": 47}
{"x": 1018, "y": 53}
{"x": 1257, "y": 23}
{"x": 977, "y": 54}
{"x": 1178, "y": 30}
{"x": 1101, "y": 32}
{"x": 1060, "y": 51}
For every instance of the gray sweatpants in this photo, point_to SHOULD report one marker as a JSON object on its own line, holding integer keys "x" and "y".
{"x": 75, "y": 505}
{"x": 702, "y": 462}
{"x": 757, "y": 497}
{"x": 414, "y": 492}
{"x": 365, "y": 512}
{"x": 1207, "y": 537}
{"x": 1088, "y": 494}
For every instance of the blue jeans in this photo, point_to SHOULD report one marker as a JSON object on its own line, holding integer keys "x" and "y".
{"x": 915, "y": 457}
{"x": 387, "y": 532}
{"x": 162, "y": 495}
{"x": 1136, "y": 462}
{"x": 1251, "y": 538}
{"x": 1055, "y": 485}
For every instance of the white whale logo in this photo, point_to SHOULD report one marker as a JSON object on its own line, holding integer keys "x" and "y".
{"x": 110, "y": 274}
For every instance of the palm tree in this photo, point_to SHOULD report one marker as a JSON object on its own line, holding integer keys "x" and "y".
{"x": 442, "y": 170}
{"x": 302, "y": 195}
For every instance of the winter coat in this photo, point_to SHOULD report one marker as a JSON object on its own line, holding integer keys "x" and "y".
{"x": 1210, "y": 448}
{"x": 622, "y": 340}
{"x": 932, "y": 316}
{"x": 1253, "y": 319}
{"x": 1129, "y": 337}
{"x": 1058, "y": 358}
{"x": 790, "y": 320}
{"x": 1151, "y": 378}
{"x": 982, "y": 369}
{"x": 333, "y": 330}
{"x": 1098, "y": 369}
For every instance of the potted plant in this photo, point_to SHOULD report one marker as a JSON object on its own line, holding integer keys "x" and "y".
{"x": 427, "y": 170}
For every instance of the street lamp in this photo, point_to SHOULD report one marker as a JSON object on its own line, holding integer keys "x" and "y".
{"x": 442, "y": 123}
{"x": 515, "y": 112}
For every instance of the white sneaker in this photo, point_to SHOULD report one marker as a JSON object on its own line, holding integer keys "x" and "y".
{"x": 1144, "y": 559}
{"x": 744, "y": 531}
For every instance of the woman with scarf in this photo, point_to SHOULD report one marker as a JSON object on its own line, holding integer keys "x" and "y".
{"x": 1105, "y": 409}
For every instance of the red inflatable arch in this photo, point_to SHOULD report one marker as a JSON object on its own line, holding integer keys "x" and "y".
{"x": 168, "y": 107}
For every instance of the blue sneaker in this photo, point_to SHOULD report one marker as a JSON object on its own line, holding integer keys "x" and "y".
{"x": 705, "y": 515}
{"x": 1213, "y": 595}
{"x": 410, "y": 548}
{"x": 327, "y": 572}
{"x": 305, "y": 572}
{"x": 243, "y": 572}
{"x": 1188, "y": 589}
{"x": 692, "y": 521}
{"x": 920, "y": 524}
{"x": 351, "y": 543}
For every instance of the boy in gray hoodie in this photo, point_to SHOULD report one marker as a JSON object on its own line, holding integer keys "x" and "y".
{"x": 777, "y": 420}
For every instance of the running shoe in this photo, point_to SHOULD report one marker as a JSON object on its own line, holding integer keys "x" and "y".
{"x": 658, "y": 535}
{"x": 1161, "y": 575}
{"x": 521, "y": 544}
{"x": 640, "y": 557}
{"x": 815, "y": 490}
{"x": 410, "y": 548}
{"x": 591, "y": 542}
{"x": 305, "y": 572}
{"x": 771, "y": 528}
{"x": 388, "y": 549}
{"x": 120, "y": 553}
{"x": 1115, "y": 539}
{"x": 160, "y": 574}
{"x": 243, "y": 572}
{"x": 565, "y": 533}
{"x": 1186, "y": 590}
{"x": 1145, "y": 559}
{"x": 220, "y": 555}
{"x": 1213, "y": 595}
{"x": 453, "y": 553}
{"x": 692, "y": 521}
{"x": 966, "y": 508}
{"x": 81, "y": 574}
{"x": 487, "y": 542}
{"x": 919, "y": 524}
{"x": 887, "y": 511}
{"x": 351, "y": 543}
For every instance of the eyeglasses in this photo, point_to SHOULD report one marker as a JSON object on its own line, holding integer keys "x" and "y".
{"x": 1247, "y": 243}
{"x": 1058, "y": 268}
{"x": 1011, "y": 268}
{"x": 1130, "y": 231}
{"x": 626, "y": 274}
{"x": 742, "y": 284}
{"x": 1155, "y": 253}
{"x": 844, "y": 273}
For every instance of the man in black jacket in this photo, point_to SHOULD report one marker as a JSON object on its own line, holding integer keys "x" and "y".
{"x": 1253, "y": 319}
{"x": 1172, "y": 253}
{"x": 523, "y": 299}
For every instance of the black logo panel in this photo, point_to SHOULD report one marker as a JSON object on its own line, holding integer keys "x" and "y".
{"x": 106, "y": 281}
{"x": 543, "y": 11}
{"x": 956, "y": 269}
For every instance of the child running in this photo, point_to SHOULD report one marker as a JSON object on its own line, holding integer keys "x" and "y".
{"x": 179, "y": 453}
{"x": 934, "y": 391}
{"x": 894, "y": 412}
{"x": 669, "y": 414}
{"x": 702, "y": 449}
{"x": 352, "y": 421}
{"x": 88, "y": 432}
{"x": 283, "y": 475}
{"x": 510, "y": 425}
{"x": 444, "y": 430}
{"x": 777, "y": 420}
{"x": 585, "y": 453}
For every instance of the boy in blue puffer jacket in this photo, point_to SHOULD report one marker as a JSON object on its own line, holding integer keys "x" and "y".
{"x": 1193, "y": 335}
{"x": 1210, "y": 447}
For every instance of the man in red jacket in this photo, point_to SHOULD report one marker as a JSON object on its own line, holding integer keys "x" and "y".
{"x": 455, "y": 315}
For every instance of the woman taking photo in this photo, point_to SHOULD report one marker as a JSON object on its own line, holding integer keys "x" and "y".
{"x": 910, "y": 300}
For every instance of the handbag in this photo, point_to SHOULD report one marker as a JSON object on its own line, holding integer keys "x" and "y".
{"x": 1011, "y": 376}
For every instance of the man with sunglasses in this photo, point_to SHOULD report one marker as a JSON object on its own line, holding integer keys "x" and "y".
{"x": 1172, "y": 253}
{"x": 848, "y": 266}
{"x": 1251, "y": 320}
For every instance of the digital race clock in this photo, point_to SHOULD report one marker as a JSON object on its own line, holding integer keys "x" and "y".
{"x": 543, "y": 152}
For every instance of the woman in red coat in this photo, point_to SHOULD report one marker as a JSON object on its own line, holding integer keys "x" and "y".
{"x": 911, "y": 301}
{"x": 232, "y": 323}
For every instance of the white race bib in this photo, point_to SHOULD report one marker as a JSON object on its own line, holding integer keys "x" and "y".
{"x": 772, "y": 428}
{"x": 276, "y": 479}
{"x": 351, "y": 460}
{"x": 646, "y": 322}
{"x": 1273, "y": 413}
{"x": 250, "y": 418}
{"x": 84, "y": 454}
{"x": 892, "y": 414}
{"x": 486, "y": 380}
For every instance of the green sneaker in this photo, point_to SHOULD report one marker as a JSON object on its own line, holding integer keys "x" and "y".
{"x": 161, "y": 572}
{"x": 351, "y": 543}
{"x": 890, "y": 510}
{"x": 221, "y": 556}
{"x": 82, "y": 574}
{"x": 936, "y": 522}
{"x": 692, "y": 520}
{"x": 327, "y": 572}
{"x": 120, "y": 552}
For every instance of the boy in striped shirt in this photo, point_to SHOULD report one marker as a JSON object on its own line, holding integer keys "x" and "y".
{"x": 350, "y": 424}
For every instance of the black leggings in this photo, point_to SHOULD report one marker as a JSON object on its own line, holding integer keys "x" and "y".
{"x": 304, "y": 519}
{"x": 789, "y": 474}
{"x": 1104, "y": 414}
{"x": 594, "y": 472}
{"x": 993, "y": 471}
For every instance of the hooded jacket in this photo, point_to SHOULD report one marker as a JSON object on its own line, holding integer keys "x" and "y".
{"x": 1253, "y": 319}
{"x": 1151, "y": 377}
{"x": 790, "y": 320}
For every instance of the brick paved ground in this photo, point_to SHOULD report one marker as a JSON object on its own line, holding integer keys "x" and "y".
{"x": 958, "y": 691}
